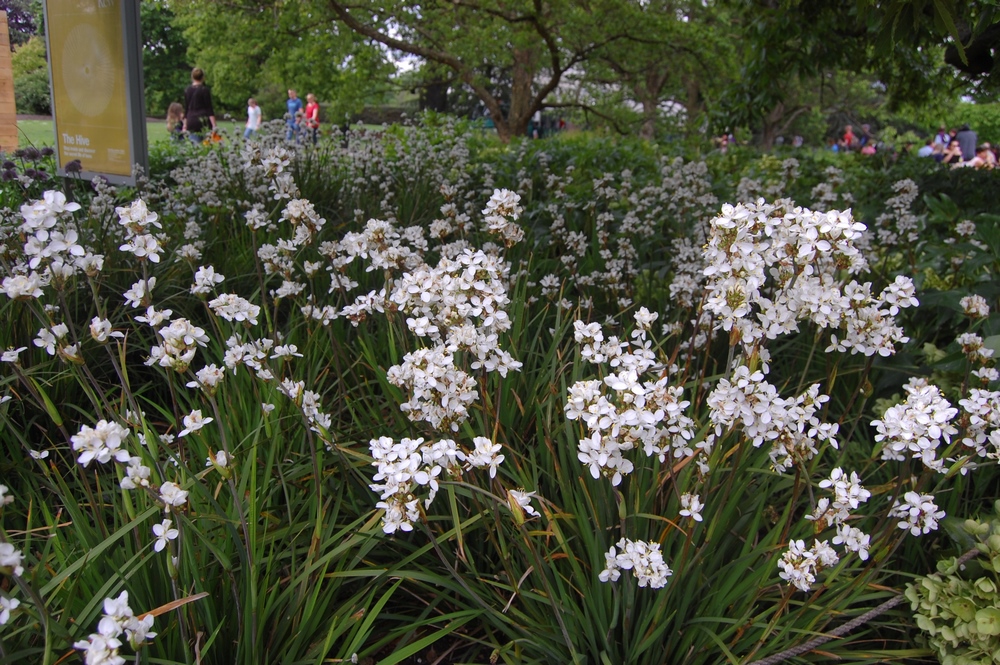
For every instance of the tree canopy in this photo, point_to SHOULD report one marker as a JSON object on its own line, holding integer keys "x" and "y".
{"x": 647, "y": 67}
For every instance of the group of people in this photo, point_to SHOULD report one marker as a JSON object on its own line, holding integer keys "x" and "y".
{"x": 301, "y": 120}
{"x": 863, "y": 142}
{"x": 960, "y": 148}
{"x": 197, "y": 114}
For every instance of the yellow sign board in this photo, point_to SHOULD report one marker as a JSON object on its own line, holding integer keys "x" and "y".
{"x": 88, "y": 60}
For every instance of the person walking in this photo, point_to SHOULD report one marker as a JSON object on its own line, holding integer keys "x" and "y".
{"x": 293, "y": 108}
{"x": 254, "y": 118}
{"x": 312, "y": 117}
{"x": 198, "y": 106}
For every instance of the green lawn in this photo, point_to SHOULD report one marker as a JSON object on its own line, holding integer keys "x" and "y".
{"x": 39, "y": 132}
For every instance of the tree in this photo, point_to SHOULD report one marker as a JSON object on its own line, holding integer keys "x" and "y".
{"x": 23, "y": 19}
{"x": 967, "y": 30}
{"x": 789, "y": 45}
{"x": 166, "y": 71}
{"x": 261, "y": 48}
{"x": 671, "y": 51}
{"x": 534, "y": 43}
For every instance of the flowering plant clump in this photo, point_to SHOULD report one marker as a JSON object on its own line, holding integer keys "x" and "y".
{"x": 406, "y": 390}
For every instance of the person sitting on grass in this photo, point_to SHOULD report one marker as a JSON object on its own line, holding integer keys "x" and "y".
{"x": 984, "y": 159}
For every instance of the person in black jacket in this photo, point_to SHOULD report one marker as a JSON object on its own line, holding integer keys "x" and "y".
{"x": 198, "y": 106}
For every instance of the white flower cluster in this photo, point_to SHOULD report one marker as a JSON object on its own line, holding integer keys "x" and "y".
{"x": 848, "y": 495}
{"x": 633, "y": 413}
{"x": 51, "y": 245}
{"x": 179, "y": 342}
{"x": 827, "y": 195}
{"x": 302, "y": 215}
{"x": 501, "y": 214}
{"x": 973, "y": 348}
{"x": 691, "y": 506}
{"x": 918, "y": 426}
{"x": 771, "y": 266}
{"x": 56, "y": 340}
{"x": 975, "y": 306}
{"x": 791, "y": 425}
{"x": 439, "y": 392}
{"x": 461, "y": 304}
{"x": 10, "y": 560}
{"x": 917, "y": 513}
{"x": 983, "y": 425}
{"x": 138, "y": 223}
{"x": 205, "y": 280}
{"x": 898, "y": 225}
{"x": 644, "y": 560}
{"x": 405, "y": 465}
{"x": 102, "y": 647}
{"x": 799, "y": 565}
{"x": 102, "y": 443}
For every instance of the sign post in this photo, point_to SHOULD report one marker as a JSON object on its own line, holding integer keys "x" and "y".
{"x": 95, "y": 66}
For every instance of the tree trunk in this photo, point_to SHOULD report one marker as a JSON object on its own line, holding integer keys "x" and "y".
{"x": 649, "y": 96}
{"x": 522, "y": 98}
{"x": 650, "y": 112}
{"x": 769, "y": 130}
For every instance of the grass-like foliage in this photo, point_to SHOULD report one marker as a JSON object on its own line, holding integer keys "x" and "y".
{"x": 411, "y": 393}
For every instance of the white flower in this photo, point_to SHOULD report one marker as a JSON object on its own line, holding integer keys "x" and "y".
{"x": 100, "y": 330}
{"x": 486, "y": 455}
{"x": 10, "y": 560}
{"x": 136, "y": 474}
{"x": 691, "y": 506}
{"x": 102, "y": 443}
{"x": 12, "y": 355}
{"x": 23, "y": 287}
{"x": 164, "y": 534}
{"x": 172, "y": 495}
{"x": 205, "y": 279}
{"x": 138, "y": 630}
{"x": 140, "y": 292}
{"x": 503, "y": 203}
{"x": 100, "y": 650}
{"x": 208, "y": 379}
{"x": 5, "y": 499}
{"x": 221, "y": 459}
{"x": 39, "y": 455}
{"x": 853, "y": 540}
{"x": 7, "y": 605}
{"x": 231, "y": 307}
{"x": 194, "y": 422}
{"x": 523, "y": 499}
{"x": 155, "y": 318}
{"x": 975, "y": 306}
{"x": 144, "y": 246}
{"x": 644, "y": 318}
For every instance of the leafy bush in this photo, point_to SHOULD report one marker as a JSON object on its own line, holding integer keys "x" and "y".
{"x": 31, "y": 78}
